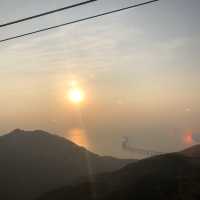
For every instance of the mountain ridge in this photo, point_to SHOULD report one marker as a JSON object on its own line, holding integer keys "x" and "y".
{"x": 34, "y": 162}
{"x": 173, "y": 176}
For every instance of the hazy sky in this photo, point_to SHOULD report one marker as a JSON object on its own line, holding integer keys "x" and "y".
{"x": 139, "y": 70}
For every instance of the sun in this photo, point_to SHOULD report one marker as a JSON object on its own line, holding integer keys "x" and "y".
{"x": 76, "y": 95}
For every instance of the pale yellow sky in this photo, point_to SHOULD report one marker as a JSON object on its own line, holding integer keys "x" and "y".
{"x": 139, "y": 71}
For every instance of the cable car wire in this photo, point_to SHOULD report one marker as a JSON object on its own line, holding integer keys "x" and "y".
{"x": 79, "y": 20}
{"x": 46, "y": 13}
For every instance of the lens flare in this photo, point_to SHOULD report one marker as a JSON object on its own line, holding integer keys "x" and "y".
{"x": 188, "y": 138}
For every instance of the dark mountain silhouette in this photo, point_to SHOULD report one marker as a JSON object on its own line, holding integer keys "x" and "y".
{"x": 193, "y": 151}
{"x": 34, "y": 162}
{"x": 174, "y": 176}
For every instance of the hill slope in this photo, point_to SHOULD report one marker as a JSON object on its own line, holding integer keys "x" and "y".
{"x": 34, "y": 162}
{"x": 168, "y": 177}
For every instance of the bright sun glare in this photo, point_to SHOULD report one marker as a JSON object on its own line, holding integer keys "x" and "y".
{"x": 76, "y": 95}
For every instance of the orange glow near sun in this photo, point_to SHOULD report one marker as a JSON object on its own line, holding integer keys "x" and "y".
{"x": 78, "y": 136}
